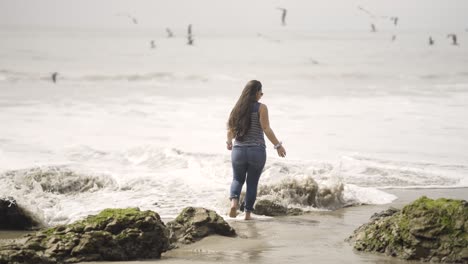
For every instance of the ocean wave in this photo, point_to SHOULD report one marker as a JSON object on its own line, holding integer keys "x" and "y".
{"x": 305, "y": 193}
{"x": 144, "y": 77}
{"x": 386, "y": 174}
{"x": 168, "y": 179}
{"x": 15, "y": 76}
{"x": 55, "y": 179}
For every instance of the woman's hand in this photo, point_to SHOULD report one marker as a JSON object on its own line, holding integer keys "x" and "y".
{"x": 281, "y": 151}
{"x": 229, "y": 145}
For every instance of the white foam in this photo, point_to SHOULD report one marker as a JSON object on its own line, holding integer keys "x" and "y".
{"x": 149, "y": 178}
{"x": 362, "y": 195}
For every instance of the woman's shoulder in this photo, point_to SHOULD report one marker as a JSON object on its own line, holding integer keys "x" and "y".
{"x": 262, "y": 108}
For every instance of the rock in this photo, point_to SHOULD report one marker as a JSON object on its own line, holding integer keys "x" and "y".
{"x": 427, "y": 230}
{"x": 270, "y": 208}
{"x": 195, "y": 223}
{"x": 14, "y": 254}
{"x": 14, "y": 217}
{"x": 389, "y": 212}
{"x": 295, "y": 211}
{"x": 112, "y": 235}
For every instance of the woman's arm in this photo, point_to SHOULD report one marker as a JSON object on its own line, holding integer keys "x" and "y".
{"x": 230, "y": 136}
{"x": 265, "y": 123}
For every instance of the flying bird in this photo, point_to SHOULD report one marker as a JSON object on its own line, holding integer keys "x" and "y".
{"x": 283, "y": 15}
{"x": 189, "y": 35}
{"x": 370, "y": 13}
{"x": 54, "y": 77}
{"x": 169, "y": 33}
{"x": 132, "y": 18}
{"x": 431, "y": 41}
{"x": 365, "y": 11}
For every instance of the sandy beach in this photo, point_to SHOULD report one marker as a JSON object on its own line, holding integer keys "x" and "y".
{"x": 318, "y": 236}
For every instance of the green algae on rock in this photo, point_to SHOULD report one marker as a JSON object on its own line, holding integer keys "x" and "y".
{"x": 427, "y": 230}
{"x": 113, "y": 234}
{"x": 195, "y": 223}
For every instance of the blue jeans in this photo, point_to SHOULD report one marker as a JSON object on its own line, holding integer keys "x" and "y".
{"x": 247, "y": 164}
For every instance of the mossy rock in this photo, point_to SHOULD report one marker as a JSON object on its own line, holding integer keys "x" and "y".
{"x": 113, "y": 235}
{"x": 195, "y": 223}
{"x": 427, "y": 230}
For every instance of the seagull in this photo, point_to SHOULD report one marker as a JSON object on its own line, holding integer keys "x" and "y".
{"x": 454, "y": 38}
{"x": 369, "y": 13}
{"x": 169, "y": 33}
{"x": 283, "y": 15}
{"x": 134, "y": 20}
{"x": 189, "y": 35}
{"x": 395, "y": 20}
{"x": 54, "y": 77}
{"x": 365, "y": 11}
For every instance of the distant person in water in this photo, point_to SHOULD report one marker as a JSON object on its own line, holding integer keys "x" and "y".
{"x": 454, "y": 39}
{"x": 431, "y": 41}
{"x": 247, "y": 124}
{"x": 153, "y": 45}
{"x": 54, "y": 77}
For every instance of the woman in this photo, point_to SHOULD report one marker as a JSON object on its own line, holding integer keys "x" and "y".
{"x": 247, "y": 123}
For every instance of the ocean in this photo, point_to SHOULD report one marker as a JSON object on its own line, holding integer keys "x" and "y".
{"x": 126, "y": 125}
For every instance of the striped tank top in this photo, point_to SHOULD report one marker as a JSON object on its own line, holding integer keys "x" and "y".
{"x": 254, "y": 136}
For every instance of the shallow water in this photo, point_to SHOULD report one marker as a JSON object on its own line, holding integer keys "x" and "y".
{"x": 126, "y": 125}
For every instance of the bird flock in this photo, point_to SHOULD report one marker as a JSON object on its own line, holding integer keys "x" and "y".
{"x": 373, "y": 28}
{"x": 394, "y": 20}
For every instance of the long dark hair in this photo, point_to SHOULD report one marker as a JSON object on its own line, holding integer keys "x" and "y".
{"x": 239, "y": 119}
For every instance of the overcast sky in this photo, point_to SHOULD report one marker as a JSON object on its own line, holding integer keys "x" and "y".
{"x": 446, "y": 15}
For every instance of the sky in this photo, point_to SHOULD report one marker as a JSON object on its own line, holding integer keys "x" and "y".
{"x": 313, "y": 15}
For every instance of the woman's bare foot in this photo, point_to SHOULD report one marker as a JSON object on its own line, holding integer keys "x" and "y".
{"x": 233, "y": 211}
{"x": 248, "y": 216}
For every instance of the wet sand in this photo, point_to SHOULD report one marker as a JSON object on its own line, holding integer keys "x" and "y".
{"x": 316, "y": 237}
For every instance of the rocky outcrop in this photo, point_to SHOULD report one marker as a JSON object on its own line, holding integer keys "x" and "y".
{"x": 427, "y": 230}
{"x": 14, "y": 217}
{"x": 272, "y": 208}
{"x": 195, "y": 223}
{"x": 113, "y": 234}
